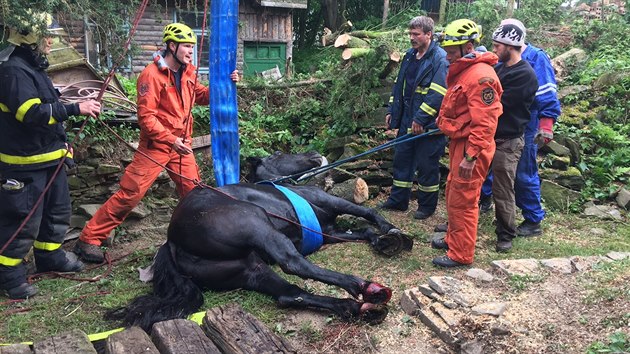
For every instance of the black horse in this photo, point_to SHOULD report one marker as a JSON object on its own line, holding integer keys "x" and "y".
{"x": 223, "y": 239}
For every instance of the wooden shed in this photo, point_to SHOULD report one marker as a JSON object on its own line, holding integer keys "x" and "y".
{"x": 265, "y": 35}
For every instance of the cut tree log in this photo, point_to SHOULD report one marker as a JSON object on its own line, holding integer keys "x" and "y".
{"x": 131, "y": 340}
{"x": 374, "y": 34}
{"x": 394, "y": 59}
{"x": 353, "y": 53}
{"x": 347, "y": 41}
{"x": 181, "y": 336}
{"x": 328, "y": 38}
{"x": 236, "y": 331}
{"x": 354, "y": 190}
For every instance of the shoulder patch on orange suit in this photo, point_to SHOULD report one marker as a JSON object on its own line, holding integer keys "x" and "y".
{"x": 487, "y": 96}
{"x": 143, "y": 89}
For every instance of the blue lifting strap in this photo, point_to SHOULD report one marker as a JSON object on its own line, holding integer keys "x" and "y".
{"x": 312, "y": 238}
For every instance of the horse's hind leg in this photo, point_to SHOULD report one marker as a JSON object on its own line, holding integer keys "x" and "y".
{"x": 254, "y": 274}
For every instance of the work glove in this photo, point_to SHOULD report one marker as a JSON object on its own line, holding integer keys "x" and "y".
{"x": 545, "y": 132}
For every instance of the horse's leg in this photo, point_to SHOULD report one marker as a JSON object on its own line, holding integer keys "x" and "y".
{"x": 341, "y": 206}
{"x": 254, "y": 274}
{"x": 274, "y": 245}
{"x": 389, "y": 244}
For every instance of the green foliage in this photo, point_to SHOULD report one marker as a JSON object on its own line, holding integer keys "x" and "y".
{"x": 95, "y": 133}
{"x": 618, "y": 342}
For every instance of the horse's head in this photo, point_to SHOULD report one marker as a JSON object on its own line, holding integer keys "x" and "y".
{"x": 280, "y": 164}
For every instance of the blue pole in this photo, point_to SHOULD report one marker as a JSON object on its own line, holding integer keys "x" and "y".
{"x": 223, "y": 105}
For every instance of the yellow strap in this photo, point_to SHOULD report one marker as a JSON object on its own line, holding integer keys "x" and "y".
{"x": 25, "y": 107}
{"x": 46, "y": 246}
{"x": 103, "y": 335}
{"x": 197, "y": 317}
{"x": 403, "y": 184}
{"x": 430, "y": 111}
{"x": 4, "y": 108}
{"x": 437, "y": 88}
{"x": 429, "y": 189}
{"x": 9, "y": 262}
{"x": 27, "y": 160}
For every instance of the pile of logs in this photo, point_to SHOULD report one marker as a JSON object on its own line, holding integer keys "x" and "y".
{"x": 357, "y": 44}
{"x": 225, "y": 329}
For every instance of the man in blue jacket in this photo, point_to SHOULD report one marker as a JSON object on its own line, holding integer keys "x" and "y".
{"x": 415, "y": 101}
{"x": 544, "y": 112}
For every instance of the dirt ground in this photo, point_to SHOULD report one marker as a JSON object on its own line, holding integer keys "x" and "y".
{"x": 547, "y": 316}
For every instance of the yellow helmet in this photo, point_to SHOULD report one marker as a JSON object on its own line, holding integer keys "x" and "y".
{"x": 180, "y": 33}
{"x": 32, "y": 35}
{"x": 460, "y": 32}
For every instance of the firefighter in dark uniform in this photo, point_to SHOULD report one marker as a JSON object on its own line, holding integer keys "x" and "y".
{"x": 32, "y": 143}
{"x": 416, "y": 99}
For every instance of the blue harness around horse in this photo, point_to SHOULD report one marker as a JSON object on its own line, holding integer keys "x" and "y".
{"x": 312, "y": 238}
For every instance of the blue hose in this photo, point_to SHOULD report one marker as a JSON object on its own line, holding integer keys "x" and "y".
{"x": 223, "y": 105}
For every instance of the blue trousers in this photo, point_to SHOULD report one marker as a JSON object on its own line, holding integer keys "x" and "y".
{"x": 422, "y": 155}
{"x": 527, "y": 183}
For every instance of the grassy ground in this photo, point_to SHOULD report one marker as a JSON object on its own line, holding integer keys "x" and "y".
{"x": 65, "y": 304}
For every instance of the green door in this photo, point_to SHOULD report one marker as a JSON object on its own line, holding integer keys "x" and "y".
{"x": 263, "y": 56}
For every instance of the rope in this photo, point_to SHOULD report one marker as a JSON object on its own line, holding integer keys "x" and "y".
{"x": 317, "y": 170}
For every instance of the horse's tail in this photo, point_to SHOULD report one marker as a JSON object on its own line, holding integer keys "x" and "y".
{"x": 174, "y": 296}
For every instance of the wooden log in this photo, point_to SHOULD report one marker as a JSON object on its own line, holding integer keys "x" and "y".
{"x": 72, "y": 342}
{"x": 339, "y": 175}
{"x": 181, "y": 337}
{"x": 348, "y": 41}
{"x": 235, "y": 331}
{"x": 353, "y": 53}
{"x": 328, "y": 38}
{"x": 394, "y": 59}
{"x": 354, "y": 190}
{"x": 374, "y": 34}
{"x": 130, "y": 341}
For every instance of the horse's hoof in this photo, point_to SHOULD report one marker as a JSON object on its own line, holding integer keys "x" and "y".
{"x": 389, "y": 245}
{"x": 373, "y": 314}
{"x": 376, "y": 293}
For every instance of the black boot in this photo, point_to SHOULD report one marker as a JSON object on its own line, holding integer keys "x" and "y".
{"x": 529, "y": 229}
{"x": 63, "y": 263}
{"x": 22, "y": 291}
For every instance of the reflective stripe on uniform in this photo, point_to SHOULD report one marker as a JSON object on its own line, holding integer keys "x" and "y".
{"x": 437, "y": 88}
{"x": 422, "y": 90}
{"x": 403, "y": 184}
{"x": 46, "y": 246}
{"x": 4, "y": 108}
{"x": 10, "y": 262}
{"x": 429, "y": 189}
{"x": 430, "y": 111}
{"x": 391, "y": 99}
{"x": 21, "y": 112}
{"x": 27, "y": 160}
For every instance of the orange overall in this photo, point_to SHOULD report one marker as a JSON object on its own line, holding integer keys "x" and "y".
{"x": 162, "y": 116}
{"x": 469, "y": 116}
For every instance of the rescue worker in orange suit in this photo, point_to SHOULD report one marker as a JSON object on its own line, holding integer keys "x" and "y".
{"x": 469, "y": 116}
{"x": 166, "y": 90}
{"x": 32, "y": 145}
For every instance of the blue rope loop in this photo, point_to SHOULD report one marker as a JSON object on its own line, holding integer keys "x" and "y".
{"x": 312, "y": 238}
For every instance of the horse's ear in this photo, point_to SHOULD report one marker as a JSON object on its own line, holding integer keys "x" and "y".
{"x": 253, "y": 161}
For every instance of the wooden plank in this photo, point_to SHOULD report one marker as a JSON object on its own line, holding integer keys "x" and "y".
{"x": 15, "y": 349}
{"x": 235, "y": 331}
{"x": 200, "y": 141}
{"x": 181, "y": 337}
{"x": 72, "y": 342}
{"x": 130, "y": 341}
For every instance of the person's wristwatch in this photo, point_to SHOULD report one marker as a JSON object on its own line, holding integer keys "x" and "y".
{"x": 469, "y": 158}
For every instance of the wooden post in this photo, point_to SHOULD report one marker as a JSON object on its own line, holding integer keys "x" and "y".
{"x": 385, "y": 13}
